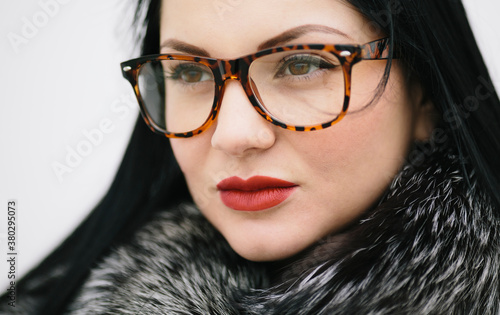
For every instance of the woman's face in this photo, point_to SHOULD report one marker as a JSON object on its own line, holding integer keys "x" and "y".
{"x": 332, "y": 175}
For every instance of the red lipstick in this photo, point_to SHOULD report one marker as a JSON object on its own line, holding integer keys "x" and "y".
{"x": 254, "y": 194}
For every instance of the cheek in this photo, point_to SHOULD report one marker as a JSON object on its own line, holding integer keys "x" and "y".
{"x": 183, "y": 153}
{"x": 187, "y": 153}
{"x": 202, "y": 166}
{"x": 360, "y": 155}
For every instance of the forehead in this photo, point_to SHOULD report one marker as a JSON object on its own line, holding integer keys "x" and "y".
{"x": 231, "y": 28}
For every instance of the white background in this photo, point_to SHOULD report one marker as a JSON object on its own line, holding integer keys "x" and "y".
{"x": 63, "y": 82}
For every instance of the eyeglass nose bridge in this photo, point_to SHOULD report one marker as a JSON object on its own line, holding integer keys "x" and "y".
{"x": 238, "y": 70}
{"x": 230, "y": 70}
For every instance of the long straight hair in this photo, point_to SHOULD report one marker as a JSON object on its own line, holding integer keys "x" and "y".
{"x": 434, "y": 41}
{"x": 438, "y": 47}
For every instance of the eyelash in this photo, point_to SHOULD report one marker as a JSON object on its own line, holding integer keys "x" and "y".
{"x": 285, "y": 62}
{"x": 175, "y": 72}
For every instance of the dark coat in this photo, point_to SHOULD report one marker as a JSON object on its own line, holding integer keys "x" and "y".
{"x": 432, "y": 246}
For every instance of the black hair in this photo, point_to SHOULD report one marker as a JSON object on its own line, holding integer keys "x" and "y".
{"x": 436, "y": 43}
{"x": 432, "y": 38}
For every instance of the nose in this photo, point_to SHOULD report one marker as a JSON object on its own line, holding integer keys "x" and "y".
{"x": 239, "y": 129}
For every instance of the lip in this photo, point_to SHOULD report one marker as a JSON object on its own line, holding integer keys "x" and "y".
{"x": 254, "y": 194}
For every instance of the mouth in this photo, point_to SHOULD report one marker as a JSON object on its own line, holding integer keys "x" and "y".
{"x": 254, "y": 194}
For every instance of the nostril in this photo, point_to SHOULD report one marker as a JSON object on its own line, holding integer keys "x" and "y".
{"x": 265, "y": 138}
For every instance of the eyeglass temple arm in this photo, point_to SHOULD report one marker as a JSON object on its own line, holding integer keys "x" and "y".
{"x": 377, "y": 49}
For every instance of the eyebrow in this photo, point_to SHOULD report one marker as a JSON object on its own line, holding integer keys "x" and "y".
{"x": 298, "y": 31}
{"x": 282, "y": 38}
{"x": 184, "y": 47}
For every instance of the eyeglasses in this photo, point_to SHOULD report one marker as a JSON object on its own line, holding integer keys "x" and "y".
{"x": 296, "y": 87}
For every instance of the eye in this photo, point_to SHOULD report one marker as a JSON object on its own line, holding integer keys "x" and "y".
{"x": 189, "y": 73}
{"x": 194, "y": 75}
{"x": 302, "y": 65}
{"x": 300, "y": 68}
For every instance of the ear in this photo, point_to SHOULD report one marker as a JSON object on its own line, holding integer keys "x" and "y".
{"x": 425, "y": 114}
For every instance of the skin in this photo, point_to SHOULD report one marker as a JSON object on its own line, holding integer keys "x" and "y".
{"x": 340, "y": 171}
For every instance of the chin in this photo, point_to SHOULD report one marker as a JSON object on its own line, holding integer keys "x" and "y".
{"x": 262, "y": 252}
{"x": 262, "y": 256}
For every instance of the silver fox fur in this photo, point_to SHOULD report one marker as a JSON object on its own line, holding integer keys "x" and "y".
{"x": 432, "y": 246}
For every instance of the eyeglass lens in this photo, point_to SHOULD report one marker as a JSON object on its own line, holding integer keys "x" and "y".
{"x": 299, "y": 88}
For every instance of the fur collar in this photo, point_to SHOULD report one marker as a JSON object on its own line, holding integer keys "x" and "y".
{"x": 432, "y": 246}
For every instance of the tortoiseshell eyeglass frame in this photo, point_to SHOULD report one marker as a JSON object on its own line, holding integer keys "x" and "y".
{"x": 237, "y": 69}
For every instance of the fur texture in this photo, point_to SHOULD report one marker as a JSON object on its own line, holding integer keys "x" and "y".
{"x": 432, "y": 246}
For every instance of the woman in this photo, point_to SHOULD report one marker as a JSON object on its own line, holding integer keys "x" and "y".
{"x": 357, "y": 176}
